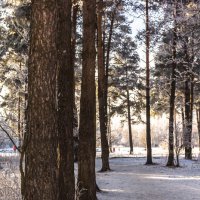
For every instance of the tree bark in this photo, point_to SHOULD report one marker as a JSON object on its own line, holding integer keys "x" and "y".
{"x": 41, "y": 168}
{"x": 148, "y": 115}
{"x": 102, "y": 97}
{"x": 188, "y": 126}
{"x": 170, "y": 161}
{"x": 188, "y": 103}
{"x": 65, "y": 101}
{"x": 87, "y": 133}
{"x": 129, "y": 122}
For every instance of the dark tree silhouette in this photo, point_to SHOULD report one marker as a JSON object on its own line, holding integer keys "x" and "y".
{"x": 87, "y": 133}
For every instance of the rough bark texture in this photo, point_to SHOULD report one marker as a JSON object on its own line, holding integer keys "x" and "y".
{"x": 102, "y": 97}
{"x": 170, "y": 161}
{"x": 148, "y": 115}
{"x": 41, "y": 152}
{"x": 65, "y": 102}
{"x": 87, "y": 133}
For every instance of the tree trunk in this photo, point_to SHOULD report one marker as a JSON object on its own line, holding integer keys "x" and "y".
{"x": 188, "y": 148}
{"x": 188, "y": 103}
{"x": 65, "y": 102}
{"x": 101, "y": 92}
{"x": 129, "y": 113}
{"x": 198, "y": 121}
{"x": 148, "y": 115}
{"x": 170, "y": 161}
{"x": 41, "y": 153}
{"x": 87, "y": 133}
{"x": 106, "y": 61}
{"x": 129, "y": 122}
{"x": 183, "y": 124}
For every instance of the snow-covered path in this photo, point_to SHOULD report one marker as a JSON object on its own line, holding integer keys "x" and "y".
{"x": 132, "y": 180}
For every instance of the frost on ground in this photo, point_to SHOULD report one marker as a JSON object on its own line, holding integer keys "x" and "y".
{"x": 132, "y": 180}
{"x": 129, "y": 180}
{"x": 9, "y": 179}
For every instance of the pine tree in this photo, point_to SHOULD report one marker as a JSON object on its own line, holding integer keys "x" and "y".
{"x": 125, "y": 80}
{"x": 65, "y": 98}
{"x": 102, "y": 97}
{"x": 87, "y": 130}
{"x": 148, "y": 116}
{"x": 41, "y": 153}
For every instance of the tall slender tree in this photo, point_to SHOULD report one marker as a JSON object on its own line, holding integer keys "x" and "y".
{"x": 129, "y": 113}
{"x": 41, "y": 153}
{"x": 65, "y": 101}
{"x": 125, "y": 83}
{"x": 87, "y": 133}
{"x": 170, "y": 161}
{"x": 148, "y": 115}
{"x": 102, "y": 97}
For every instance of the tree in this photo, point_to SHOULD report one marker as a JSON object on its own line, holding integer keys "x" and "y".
{"x": 65, "y": 97}
{"x": 102, "y": 97}
{"x": 125, "y": 80}
{"x": 148, "y": 116}
{"x": 87, "y": 129}
{"x": 41, "y": 153}
{"x": 170, "y": 161}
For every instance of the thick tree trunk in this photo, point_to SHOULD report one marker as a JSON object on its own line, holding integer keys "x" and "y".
{"x": 148, "y": 115}
{"x": 102, "y": 92}
{"x": 65, "y": 102}
{"x": 170, "y": 161}
{"x": 41, "y": 153}
{"x": 87, "y": 134}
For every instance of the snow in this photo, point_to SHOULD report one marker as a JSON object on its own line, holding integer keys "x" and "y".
{"x": 129, "y": 179}
{"x": 132, "y": 180}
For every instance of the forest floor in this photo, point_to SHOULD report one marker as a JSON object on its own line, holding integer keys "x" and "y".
{"x": 132, "y": 180}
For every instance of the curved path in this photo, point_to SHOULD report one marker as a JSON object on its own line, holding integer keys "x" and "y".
{"x": 132, "y": 180}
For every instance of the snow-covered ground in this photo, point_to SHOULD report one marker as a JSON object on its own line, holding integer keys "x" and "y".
{"x": 129, "y": 179}
{"x": 132, "y": 180}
